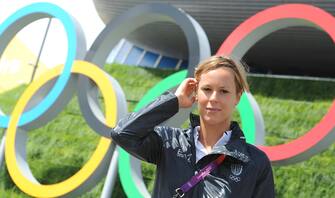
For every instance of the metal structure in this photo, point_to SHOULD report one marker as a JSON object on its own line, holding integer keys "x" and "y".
{"x": 291, "y": 51}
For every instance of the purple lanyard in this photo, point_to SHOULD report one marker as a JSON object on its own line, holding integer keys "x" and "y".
{"x": 180, "y": 192}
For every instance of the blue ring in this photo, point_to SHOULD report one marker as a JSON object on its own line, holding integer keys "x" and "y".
{"x": 69, "y": 25}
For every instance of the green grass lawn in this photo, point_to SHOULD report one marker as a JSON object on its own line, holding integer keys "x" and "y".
{"x": 290, "y": 108}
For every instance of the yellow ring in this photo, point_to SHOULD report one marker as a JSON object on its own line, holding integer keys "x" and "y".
{"x": 59, "y": 189}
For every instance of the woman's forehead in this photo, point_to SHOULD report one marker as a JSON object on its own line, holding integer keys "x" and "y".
{"x": 220, "y": 76}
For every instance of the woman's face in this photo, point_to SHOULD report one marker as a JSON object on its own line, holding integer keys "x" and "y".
{"x": 216, "y": 96}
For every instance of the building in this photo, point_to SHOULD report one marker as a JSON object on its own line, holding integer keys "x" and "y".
{"x": 302, "y": 51}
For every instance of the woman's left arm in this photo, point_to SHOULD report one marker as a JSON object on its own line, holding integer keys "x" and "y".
{"x": 265, "y": 184}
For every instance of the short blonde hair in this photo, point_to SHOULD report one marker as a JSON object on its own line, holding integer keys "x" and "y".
{"x": 216, "y": 62}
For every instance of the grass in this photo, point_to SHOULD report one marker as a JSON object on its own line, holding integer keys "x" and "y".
{"x": 290, "y": 108}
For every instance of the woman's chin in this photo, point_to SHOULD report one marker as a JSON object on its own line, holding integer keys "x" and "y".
{"x": 212, "y": 120}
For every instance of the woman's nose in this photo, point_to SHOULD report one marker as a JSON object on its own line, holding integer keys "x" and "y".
{"x": 214, "y": 96}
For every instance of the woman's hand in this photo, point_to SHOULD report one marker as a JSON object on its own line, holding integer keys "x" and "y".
{"x": 186, "y": 92}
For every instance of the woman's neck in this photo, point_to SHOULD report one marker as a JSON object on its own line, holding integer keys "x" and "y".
{"x": 210, "y": 134}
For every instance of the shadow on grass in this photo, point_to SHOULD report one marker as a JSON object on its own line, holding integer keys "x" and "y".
{"x": 306, "y": 90}
{"x": 160, "y": 72}
{"x": 157, "y": 72}
{"x": 57, "y": 173}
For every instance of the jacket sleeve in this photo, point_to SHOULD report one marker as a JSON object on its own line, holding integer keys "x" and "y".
{"x": 265, "y": 184}
{"x": 137, "y": 132}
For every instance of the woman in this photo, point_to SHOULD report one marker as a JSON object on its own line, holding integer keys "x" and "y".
{"x": 209, "y": 159}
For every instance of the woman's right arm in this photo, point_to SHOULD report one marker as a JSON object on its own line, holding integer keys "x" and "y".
{"x": 137, "y": 132}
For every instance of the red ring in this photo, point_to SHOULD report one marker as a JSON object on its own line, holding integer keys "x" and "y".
{"x": 304, "y": 146}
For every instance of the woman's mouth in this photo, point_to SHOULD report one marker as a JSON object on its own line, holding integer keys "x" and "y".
{"x": 213, "y": 109}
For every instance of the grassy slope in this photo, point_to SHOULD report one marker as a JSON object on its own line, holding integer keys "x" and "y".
{"x": 290, "y": 108}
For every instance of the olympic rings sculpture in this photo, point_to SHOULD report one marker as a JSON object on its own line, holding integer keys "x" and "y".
{"x": 55, "y": 87}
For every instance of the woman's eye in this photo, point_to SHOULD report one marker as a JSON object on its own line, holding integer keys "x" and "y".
{"x": 206, "y": 89}
{"x": 224, "y": 91}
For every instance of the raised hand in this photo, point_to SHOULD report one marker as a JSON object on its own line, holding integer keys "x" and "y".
{"x": 186, "y": 92}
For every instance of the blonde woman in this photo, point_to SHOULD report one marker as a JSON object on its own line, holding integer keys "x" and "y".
{"x": 210, "y": 158}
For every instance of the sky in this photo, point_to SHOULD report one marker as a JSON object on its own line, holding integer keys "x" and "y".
{"x": 54, "y": 51}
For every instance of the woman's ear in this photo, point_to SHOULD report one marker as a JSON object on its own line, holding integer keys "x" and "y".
{"x": 239, "y": 94}
{"x": 196, "y": 93}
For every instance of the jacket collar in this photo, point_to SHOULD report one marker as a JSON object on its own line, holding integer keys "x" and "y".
{"x": 236, "y": 146}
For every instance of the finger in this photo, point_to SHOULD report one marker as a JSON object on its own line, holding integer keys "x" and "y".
{"x": 190, "y": 90}
{"x": 186, "y": 82}
{"x": 190, "y": 86}
{"x": 193, "y": 99}
{"x": 187, "y": 86}
{"x": 190, "y": 80}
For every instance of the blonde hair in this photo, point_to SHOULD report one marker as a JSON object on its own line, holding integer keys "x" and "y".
{"x": 216, "y": 62}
